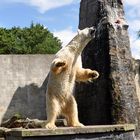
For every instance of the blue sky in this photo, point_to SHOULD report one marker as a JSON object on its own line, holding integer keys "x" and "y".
{"x": 62, "y": 17}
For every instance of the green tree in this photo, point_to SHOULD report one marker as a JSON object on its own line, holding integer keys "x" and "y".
{"x": 33, "y": 40}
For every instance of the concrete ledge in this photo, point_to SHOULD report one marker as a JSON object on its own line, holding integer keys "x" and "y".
{"x": 19, "y": 132}
{"x": 3, "y": 131}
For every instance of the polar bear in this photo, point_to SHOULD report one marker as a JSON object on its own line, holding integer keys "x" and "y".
{"x": 65, "y": 69}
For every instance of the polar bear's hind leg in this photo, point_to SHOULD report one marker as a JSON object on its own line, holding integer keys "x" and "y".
{"x": 71, "y": 113}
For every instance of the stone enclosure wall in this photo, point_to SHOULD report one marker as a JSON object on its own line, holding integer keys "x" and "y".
{"x": 23, "y": 85}
{"x": 112, "y": 98}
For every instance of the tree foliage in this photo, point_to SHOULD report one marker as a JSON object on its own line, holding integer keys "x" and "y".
{"x": 33, "y": 40}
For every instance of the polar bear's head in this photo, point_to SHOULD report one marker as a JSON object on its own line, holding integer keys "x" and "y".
{"x": 80, "y": 41}
{"x": 87, "y": 32}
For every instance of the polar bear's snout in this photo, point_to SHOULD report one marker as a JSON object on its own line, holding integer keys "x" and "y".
{"x": 92, "y": 32}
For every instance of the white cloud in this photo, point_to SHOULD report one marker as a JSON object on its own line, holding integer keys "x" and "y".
{"x": 43, "y": 5}
{"x": 132, "y": 2}
{"x": 65, "y": 35}
{"x": 133, "y": 12}
{"x": 134, "y": 25}
{"x": 135, "y": 46}
{"x": 133, "y": 17}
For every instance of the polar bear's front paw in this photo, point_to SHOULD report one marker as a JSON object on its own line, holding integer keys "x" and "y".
{"x": 93, "y": 75}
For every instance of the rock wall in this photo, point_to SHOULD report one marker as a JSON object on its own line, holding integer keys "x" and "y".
{"x": 112, "y": 98}
{"x": 94, "y": 99}
{"x": 23, "y": 85}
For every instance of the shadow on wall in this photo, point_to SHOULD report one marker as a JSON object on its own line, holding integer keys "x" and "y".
{"x": 29, "y": 101}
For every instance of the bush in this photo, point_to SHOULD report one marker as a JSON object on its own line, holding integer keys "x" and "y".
{"x": 33, "y": 40}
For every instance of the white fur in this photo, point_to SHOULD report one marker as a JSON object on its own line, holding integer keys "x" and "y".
{"x": 66, "y": 68}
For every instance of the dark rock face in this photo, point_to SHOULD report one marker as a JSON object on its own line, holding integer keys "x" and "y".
{"x": 112, "y": 98}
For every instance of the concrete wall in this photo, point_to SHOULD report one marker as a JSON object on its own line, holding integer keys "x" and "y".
{"x": 23, "y": 85}
{"x": 100, "y": 132}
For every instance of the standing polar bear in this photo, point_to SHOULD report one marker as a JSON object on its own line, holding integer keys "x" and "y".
{"x": 65, "y": 69}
